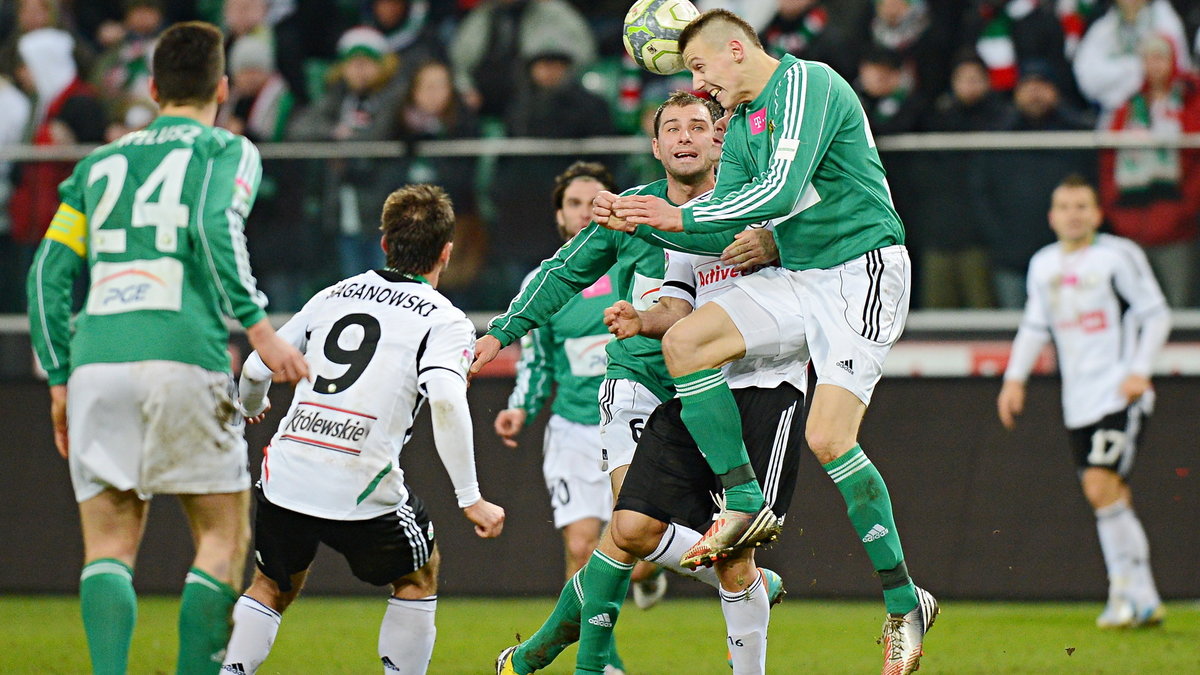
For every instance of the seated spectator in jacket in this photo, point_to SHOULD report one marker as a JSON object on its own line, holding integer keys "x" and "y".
{"x": 361, "y": 103}
{"x": 122, "y": 73}
{"x": 408, "y": 27}
{"x": 1008, "y": 32}
{"x": 67, "y": 112}
{"x": 551, "y": 103}
{"x": 1010, "y": 188}
{"x": 801, "y": 28}
{"x": 1152, "y": 195}
{"x": 497, "y": 37}
{"x": 952, "y": 255}
{"x": 1107, "y": 65}
{"x": 912, "y": 29}
{"x": 260, "y": 102}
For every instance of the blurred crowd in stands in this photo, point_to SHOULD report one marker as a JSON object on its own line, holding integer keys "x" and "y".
{"x": 75, "y": 71}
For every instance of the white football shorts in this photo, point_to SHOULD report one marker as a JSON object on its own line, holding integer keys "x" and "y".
{"x": 850, "y": 315}
{"x": 625, "y": 406}
{"x": 155, "y": 427}
{"x": 578, "y": 487}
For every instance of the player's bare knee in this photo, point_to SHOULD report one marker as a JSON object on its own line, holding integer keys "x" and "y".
{"x": 1102, "y": 487}
{"x": 265, "y": 590}
{"x": 635, "y": 533}
{"x": 580, "y": 547}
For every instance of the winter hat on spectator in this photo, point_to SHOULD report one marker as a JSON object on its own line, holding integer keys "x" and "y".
{"x": 251, "y": 52}
{"x": 1040, "y": 69}
{"x": 362, "y": 41}
{"x": 48, "y": 54}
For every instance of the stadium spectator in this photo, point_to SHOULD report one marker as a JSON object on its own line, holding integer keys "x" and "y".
{"x": 1107, "y": 65}
{"x": 1015, "y": 31}
{"x": 496, "y": 39}
{"x": 432, "y": 110}
{"x": 945, "y": 229}
{"x": 360, "y": 104}
{"x": 260, "y": 102}
{"x": 14, "y": 118}
{"x": 408, "y": 27}
{"x": 122, "y": 72}
{"x": 1152, "y": 195}
{"x": 281, "y": 24}
{"x": 801, "y": 28}
{"x": 914, "y": 31}
{"x": 34, "y": 15}
{"x": 66, "y": 112}
{"x": 1010, "y": 189}
{"x": 1095, "y": 296}
{"x": 550, "y": 104}
{"x": 757, "y": 13}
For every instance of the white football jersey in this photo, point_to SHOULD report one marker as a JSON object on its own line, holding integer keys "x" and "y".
{"x": 1108, "y": 318}
{"x": 699, "y": 279}
{"x": 371, "y": 342}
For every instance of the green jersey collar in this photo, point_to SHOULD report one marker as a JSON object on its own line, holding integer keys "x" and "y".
{"x": 764, "y": 97}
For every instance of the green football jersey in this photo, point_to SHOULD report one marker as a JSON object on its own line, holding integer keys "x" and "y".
{"x": 636, "y": 268}
{"x": 801, "y": 156}
{"x": 566, "y": 357}
{"x": 157, "y": 218}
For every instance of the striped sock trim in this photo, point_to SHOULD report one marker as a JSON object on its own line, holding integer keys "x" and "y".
{"x": 107, "y": 566}
{"x": 850, "y": 467}
{"x": 256, "y": 606}
{"x": 198, "y": 576}
{"x": 624, "y": 567}
{"x": 742, "y": 596}
{"x": 699, "y": 386}
{"x": 577, "y": 585}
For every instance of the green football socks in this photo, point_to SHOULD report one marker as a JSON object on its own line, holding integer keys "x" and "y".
{"x": 711, "y": 415}
{"x": 109, "y": 607}
{"x": 870, "y": 511}
{"x": 604, "y": 588}
{"x": 204, "y": 623}
{"x": 560, "y": 629}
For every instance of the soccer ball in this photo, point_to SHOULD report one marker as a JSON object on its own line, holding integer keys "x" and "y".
{"x": 652, "y": 30}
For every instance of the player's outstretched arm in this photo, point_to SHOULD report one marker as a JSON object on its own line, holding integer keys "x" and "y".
{"x": 649, "y": 210}
{"x": 488, "y": 518}
{"x": 282, "y": 358}
{"x": 486, "y": 349}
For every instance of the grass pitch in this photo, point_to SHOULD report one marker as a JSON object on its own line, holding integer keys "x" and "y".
{"x": 43, "y": 634}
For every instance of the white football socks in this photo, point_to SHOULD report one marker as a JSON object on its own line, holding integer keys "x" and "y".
{"x": 406, "y": 635}
{"x": 747, "y": 615}
{"x": 254, "y": 629}
{"x": 1127, "y": 554}
{"x": 674, "y": 543}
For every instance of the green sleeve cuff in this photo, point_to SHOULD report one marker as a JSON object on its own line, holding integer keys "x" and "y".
{"x": 689, "y": 220}
{"x": 504, "y": 338}
{"x": 254, "y": 317}
{"x": 58, "y": 376}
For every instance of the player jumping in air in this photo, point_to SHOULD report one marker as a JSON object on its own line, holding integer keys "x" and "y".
{"x": 636, "y": 380}
{"x": 799, "y": 154}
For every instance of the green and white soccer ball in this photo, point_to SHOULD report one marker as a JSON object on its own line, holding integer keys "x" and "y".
{"x": 652, "y": 30}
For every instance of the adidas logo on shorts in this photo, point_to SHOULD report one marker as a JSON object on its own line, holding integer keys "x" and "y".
{"x": 877, "y": 531}
{"x": 602, "y": 620}
{"x": 847, "y": 365}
